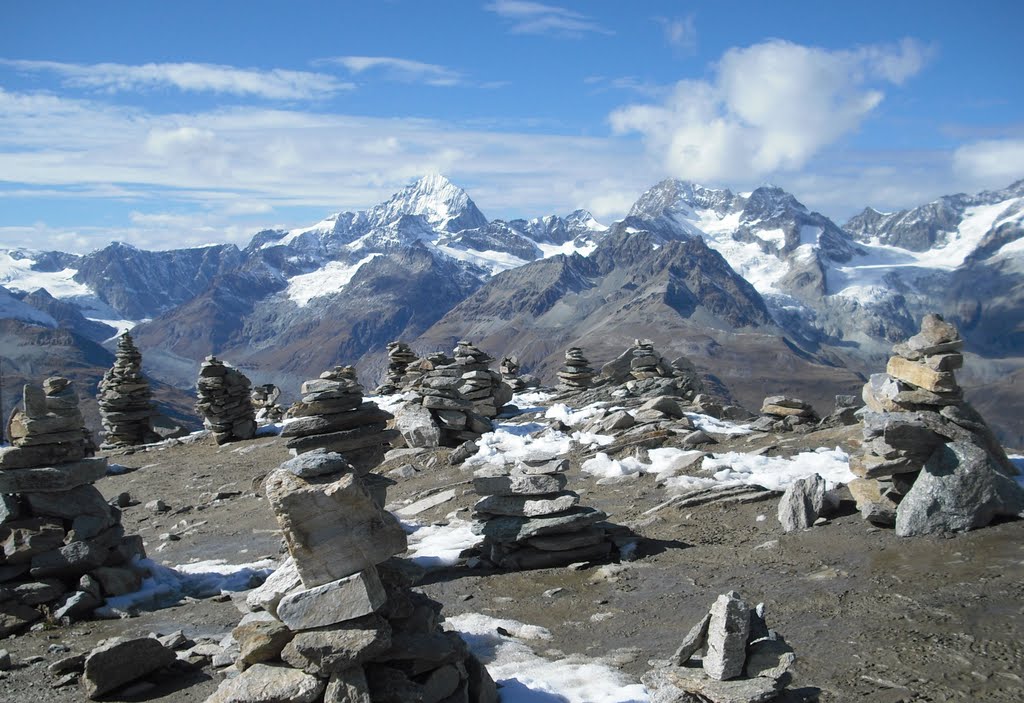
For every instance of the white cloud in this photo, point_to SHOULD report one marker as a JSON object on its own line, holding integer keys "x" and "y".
{"x": 681, "y": 32}
{"x": 274, "y": 84}
{"x": 397, "y": 69}
{"x": 770, "y": 107}
{"x": 538, "y": 18}
{"x": 993, "y": 162}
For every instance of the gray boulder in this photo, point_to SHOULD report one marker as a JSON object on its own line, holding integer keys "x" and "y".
{"x": 418, "y": 426}
{"x": 802, "y": 503}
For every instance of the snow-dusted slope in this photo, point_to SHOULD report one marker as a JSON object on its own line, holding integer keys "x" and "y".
{"x": 12, "y": 308}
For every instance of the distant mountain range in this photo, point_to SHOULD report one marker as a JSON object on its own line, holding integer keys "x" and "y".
{"x": 760, "y": 292}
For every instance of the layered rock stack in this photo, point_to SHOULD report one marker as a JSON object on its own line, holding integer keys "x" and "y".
{"x": 742, "y": 659}
{"x": 929, "y": 463}
{"x": 457, "y": 396}
{"x": 124, "y": 399}
{"x": 577, "y": 374}
{"x": 644, "y": 372}
{"x": 647, "y": 363}
{"x": 400, "y": 356}
{"x": 225, "y": 402}
{"x": 780, "y": 413}
{"x": 332, "y": 415}
{"x": 339, "y": 620}
{"x": 63, "y": 546}
{"x": 509, "y": 369}
{"x": 529, "y": 521}
{"x": 264, "y": 402}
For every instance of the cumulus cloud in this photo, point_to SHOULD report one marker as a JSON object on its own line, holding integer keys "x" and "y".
{"x": 992, "y": 162}
{"x": 538, "y": 18}
{"x": 402, "y": 70}
{"x": 769, "y": 107}
{"x": 274, "y": 84}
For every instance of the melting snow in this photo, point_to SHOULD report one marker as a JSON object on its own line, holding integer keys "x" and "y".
{"x": 526, "y": 677}
{"x": 332, "y": 278}
{"x": 439, "y": 545}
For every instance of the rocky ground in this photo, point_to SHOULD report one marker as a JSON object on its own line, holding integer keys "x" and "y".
{"x": 870, "y": 616}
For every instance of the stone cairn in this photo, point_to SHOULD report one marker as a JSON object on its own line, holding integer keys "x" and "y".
{"x": 646, "y": 362}
{"x": 780, "y": 413}
{"x": 224, "y": 401}
{"x": 529, "y": 521}
{"x": 333, "y": 416}
{"x": 457, "y": 396}
{"x": 929, "y": 463}
{"x": 577, "y": 374}
{"x": 338, "y": 620}
{"x": 509, "y": 369}
{"x": 64, "y": 548}
{"x": 644, "y": 372}
{"x": 400, "y": 356}
{"x": 264, "y": 402}
{"x": 742, "y": 659}
{"x": 124, "y": 399}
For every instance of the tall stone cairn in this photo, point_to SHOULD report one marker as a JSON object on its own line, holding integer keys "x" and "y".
{"x": 529, "y": 521}
{"x": 264, "y": 401}
{"x": 577, "y": 374}
{"x": 457, "y": 397}
{"x": 338, "y": 621}
{"x": 929, "y": 463}
{"x": 509, "y": 370}
{"x": 63, "y": 546}
{"x": 225, "y": 402}
{"x": 333, "y": 416}
{"x": 400, "y": 355}
{"x": 646, "y": 362}
{"x": 124, "y": 399}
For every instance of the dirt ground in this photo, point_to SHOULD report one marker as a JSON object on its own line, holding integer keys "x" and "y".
{"x": 871, "y": 617}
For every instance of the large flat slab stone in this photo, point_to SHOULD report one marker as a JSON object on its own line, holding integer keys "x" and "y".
{"x": 338, "y": 601}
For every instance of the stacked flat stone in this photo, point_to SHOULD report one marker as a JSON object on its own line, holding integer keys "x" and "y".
{"x": 63, "y": 547}
{"x": 339, "y": 621}
{"x": 780, "y": 413}
{"x": 225, "y": 402}
{"x": 929, "y": 462}
{"x": 577, "y": 374}
{"x": 483, "y": 387}
{"x": 332, "y": 415}
{"x": 509, "y": 369}
{"x": 529, "y": 521}
{"x": 743, "y": 661}
{"x": 400, "y": 356}
{"x": 646, "y": 362}
{"x": 264, "y": 402}
{"x": 124, "y": 399}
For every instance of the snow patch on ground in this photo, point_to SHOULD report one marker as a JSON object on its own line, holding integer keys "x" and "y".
{"x": 526, "y": 677}
{"x": 493, "y": 261}
{"x": 167, "y": 586}
{"x": 773, "y": 472}
{"x": 713, "y": 424}
{"x": 510, "y": 442}
{"x": 439, "y": 545}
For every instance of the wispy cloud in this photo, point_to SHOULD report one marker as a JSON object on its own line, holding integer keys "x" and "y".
{"x": 273, "y": 84}
{"x": 995, "y": 161}
{"x": 537, "y": 18}
{"x": 770, "y": 107}
{"x": 680, "y": 33}
{"x": 630, "y": 84}
{"x": 396, "y": 69}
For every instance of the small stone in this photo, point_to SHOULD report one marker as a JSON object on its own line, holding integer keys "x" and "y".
{"x": 119, "y": 661}
{"x": 264, "y": 683}
{"x": 802, "y": 503}
{"x": 727, "y": 637}
{"x": 695, "y": 639}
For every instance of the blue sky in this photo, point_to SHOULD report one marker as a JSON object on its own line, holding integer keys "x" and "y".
{"x": 175, "y": 124}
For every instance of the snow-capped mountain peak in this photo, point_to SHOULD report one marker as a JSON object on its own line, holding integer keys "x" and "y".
{"x": 443, "y": 205}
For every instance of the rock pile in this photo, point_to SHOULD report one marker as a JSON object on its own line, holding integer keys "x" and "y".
{"x": 224, "y": 401}
{"x": 332, "y": 415}
{"x": 929, "y": 463}
{"x": 400, "y": 356}
{"x": 264, "y": 402}
{"x": 646, "y": 363}
{"x": 509, "y": 369}
{"x": 339, "y": 621}
{"x": 457, "y": 396}
{"x": 124, "y": 399}
{"x": 529, "y": 521}
{"x": 780, "y": 413}
{"x": 743, "y": 661}
{"x": 644, "y": 372}
{"x": 63, "y": 546}
{"x": 577, "y": 374}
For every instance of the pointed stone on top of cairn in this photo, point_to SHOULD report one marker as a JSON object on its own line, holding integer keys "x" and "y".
{"x": 63, "y": 547}
{"x": 333, "y": 416}
{"x": 341, "y": 621}
{"x": 929, "y": 463}
{"x": 400, "y": 355}
{"x": 224, "y": 401}
{"x": 124, "y": 399}
{"x": 529, "y": 521}
{"x": 577, "y": 374}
